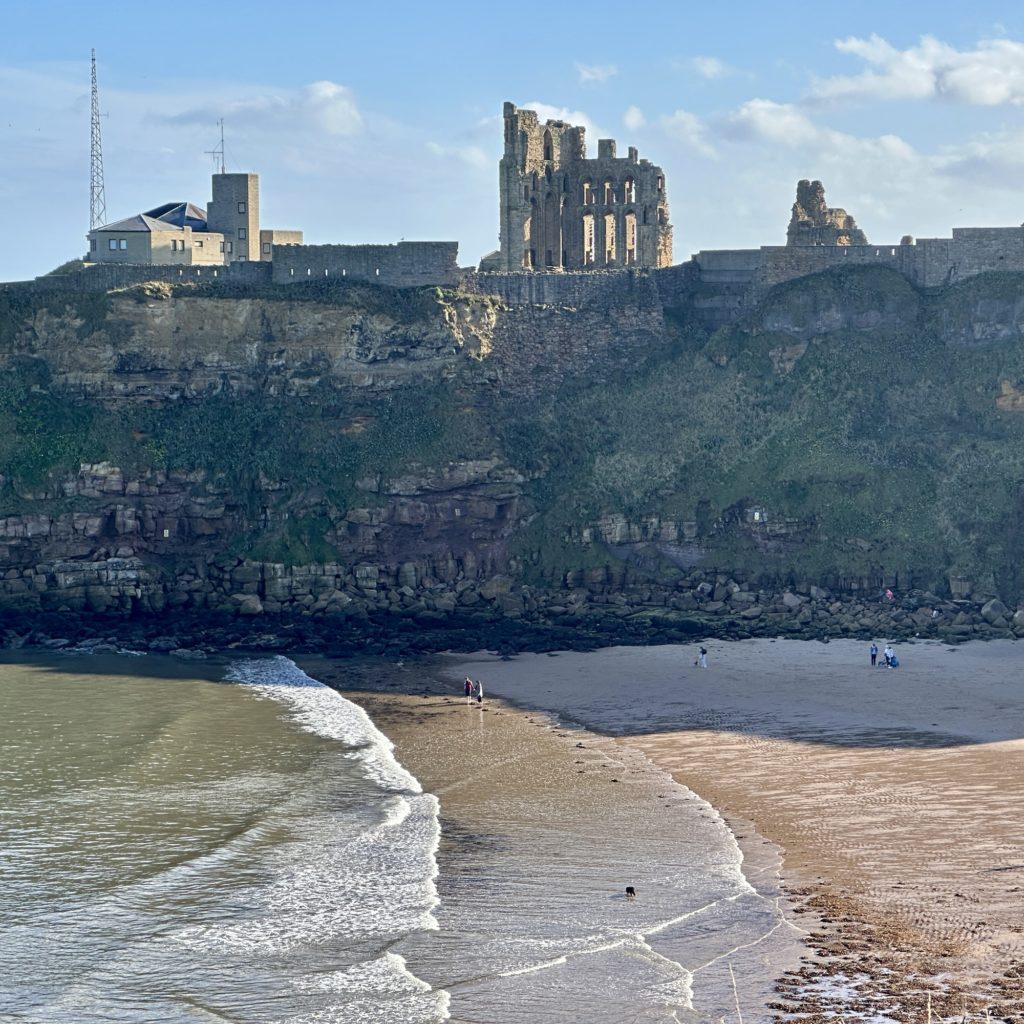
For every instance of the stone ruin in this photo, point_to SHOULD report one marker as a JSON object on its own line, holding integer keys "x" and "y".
{"x": 814, "y": 223}
{"x": 561, "y": 210}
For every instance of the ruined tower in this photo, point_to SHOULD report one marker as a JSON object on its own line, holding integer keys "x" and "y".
{"x": 814, "y": 223}
{"x": 561, "y": 211}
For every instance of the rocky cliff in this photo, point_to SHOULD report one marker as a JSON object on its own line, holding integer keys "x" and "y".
{"x": 341, "y": 451}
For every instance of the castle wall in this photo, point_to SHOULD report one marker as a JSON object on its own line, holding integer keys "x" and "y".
{"x": 102, "y": 277}
{"x": 407, "y": 264}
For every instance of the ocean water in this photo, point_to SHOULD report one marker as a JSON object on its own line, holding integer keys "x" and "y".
{"x": 248, "y": 849}
{"x": 175, "y": 849}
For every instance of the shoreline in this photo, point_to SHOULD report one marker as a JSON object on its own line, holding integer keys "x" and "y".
{"x": 408, "y": 713}
{"x": 901, "y": 920}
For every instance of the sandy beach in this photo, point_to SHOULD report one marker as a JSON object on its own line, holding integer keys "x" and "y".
{"x": 577, "y": 814}
{"x": 895, "y": 796}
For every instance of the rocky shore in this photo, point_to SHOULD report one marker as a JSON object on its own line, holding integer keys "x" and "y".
{"x": 367, "y": 612}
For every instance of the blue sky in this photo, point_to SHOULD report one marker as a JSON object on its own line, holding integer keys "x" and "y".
{"x": 380, "y": 122}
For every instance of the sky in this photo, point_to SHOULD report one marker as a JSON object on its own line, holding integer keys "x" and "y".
{"x": 379, "y": 122}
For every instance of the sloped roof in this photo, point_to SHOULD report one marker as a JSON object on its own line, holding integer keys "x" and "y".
{"x": 162, "y": 218}
{"x": 182, "y": 215}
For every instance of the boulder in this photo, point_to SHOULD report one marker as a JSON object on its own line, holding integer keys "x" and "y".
{"x": 994, "y": 610}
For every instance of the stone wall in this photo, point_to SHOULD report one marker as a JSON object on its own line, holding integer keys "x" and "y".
{"x": 108, "y": 277}
{"x": 406, "y": 264}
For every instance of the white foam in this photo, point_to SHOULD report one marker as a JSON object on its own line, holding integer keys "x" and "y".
{"x": 379, "y": 883}
{"x": 386, "y": 974}
{"x": 321, "y": 710}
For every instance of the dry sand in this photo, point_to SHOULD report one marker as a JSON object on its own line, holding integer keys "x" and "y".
{"x": 897, "y": 797}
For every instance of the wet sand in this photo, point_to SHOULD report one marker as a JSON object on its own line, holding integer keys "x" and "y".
{"x": 585, "y": 788}
{"x": 896, "y": 796}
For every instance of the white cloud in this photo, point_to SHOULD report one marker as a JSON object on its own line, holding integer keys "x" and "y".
{"x": 781, "y": 123}
{"x": 710, "y": 67}
{"x": 596, "y": 72}
{"x": 322, "y": 106}
{"x": 634, "y": 119}
{"x": 689, "y": 129}
{"x": 991, "y": 74}
{"x": 472, "y": 155}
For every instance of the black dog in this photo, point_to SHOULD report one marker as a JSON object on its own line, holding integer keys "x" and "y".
{"x": 630, "y": 892}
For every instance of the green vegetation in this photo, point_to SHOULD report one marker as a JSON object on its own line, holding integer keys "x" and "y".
{"x": 849, "y": 405}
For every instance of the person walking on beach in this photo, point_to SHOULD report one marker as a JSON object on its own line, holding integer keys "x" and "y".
{"x": 888, "y": 654}
{"x": 479, "y": 692}
{"x": 872, "y": 650}
{"x": 469, "y": 689}
{"x": 702, "y": 658}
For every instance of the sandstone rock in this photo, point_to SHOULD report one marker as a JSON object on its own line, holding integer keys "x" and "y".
{"x": 248, "y": 604}
{"x": 791, "y": 600}
{"x": 994, "y": 610}
{"x": 753, "y": 612}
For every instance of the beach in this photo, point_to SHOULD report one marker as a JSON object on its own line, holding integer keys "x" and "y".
{"x": 895, "y": 797}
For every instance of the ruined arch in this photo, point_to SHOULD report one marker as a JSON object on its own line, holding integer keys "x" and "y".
{"x": 552, "y": 231}
{"x": 629, "y": 238}
{"x": 549, "y": 152}
{"x": 608, "y": 237}
{"x": 608, "y": 192}
{"x": 588, "y": 192}
{"x": 588, "y": 239}
{"x": 629, "y": 190}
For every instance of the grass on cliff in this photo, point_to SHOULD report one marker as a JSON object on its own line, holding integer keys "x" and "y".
{"x": 884, "y": 436}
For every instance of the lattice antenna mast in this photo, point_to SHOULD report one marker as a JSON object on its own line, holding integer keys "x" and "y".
{"x": 97, "y": 192}
{"x": 218, "y": 151}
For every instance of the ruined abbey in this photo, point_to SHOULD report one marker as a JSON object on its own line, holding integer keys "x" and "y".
{"x": 570, "y": 227}
{"x": 563, "y": 211}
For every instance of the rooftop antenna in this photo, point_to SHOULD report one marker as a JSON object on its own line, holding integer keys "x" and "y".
{"x": 97, "y": 193}
{"x": 218, "y": 151}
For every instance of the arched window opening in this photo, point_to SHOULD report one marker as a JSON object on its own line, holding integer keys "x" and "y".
{"x": 548, "y": 149}
{"x": 662, "y": 215}
{"x": 526, "y": 192}
{"x": 527, "y": 228}
{"x": 588, "y": 239}
{"x": 629, "y": 228}
{"x": 645, "y": 214}
{"x": 552, "y": 231}
{"x": 609, "y": 238}
{"x": 547, "y": 175}
{"x": 588, "y": 193}
{"x": 661, "y": 183}
{"x": 629, "y": 191}
{"x": 609, "y": 191}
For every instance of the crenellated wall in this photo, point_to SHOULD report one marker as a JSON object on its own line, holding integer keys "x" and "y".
{"x": 406, "y": 264}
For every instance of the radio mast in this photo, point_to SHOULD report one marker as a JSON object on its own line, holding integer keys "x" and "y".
{"x": 97, "y": 193}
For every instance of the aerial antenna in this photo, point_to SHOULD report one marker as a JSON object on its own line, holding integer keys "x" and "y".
{"x": 97, "y": 193}
{"x": 218, "y": 151}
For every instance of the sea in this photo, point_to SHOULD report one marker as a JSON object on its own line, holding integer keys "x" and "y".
{"x": 235, "y": 842}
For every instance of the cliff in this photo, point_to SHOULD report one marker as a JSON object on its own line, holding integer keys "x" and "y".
{"x": 343, "y": 450}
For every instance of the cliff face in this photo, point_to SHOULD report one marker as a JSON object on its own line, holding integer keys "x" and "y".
{"x": 358, "y": 449}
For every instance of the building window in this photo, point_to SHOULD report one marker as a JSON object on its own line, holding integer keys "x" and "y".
{"x": 92, "y": 244}
{"x": 241, "y": 259}
{"x": 266, "y": 247}
{"x": 241, "y": 207}
{"x": 231, "y": 246}
{"x": 197, "y": 244}
{"x": 241, "y": 234}
{"x": 122, "y": 243}
{"x": 112, "y": 243}
{"x": 221, "y": 246}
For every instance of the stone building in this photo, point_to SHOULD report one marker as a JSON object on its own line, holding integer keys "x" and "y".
{"x": 814, "y": 223}
{"x": 183, "y": 234}
{"x": 563, "y": 211}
